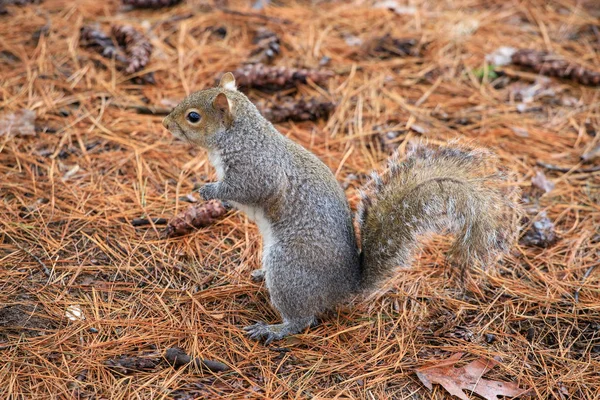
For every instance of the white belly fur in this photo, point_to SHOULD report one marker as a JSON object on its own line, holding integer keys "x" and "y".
{"x": 215, "y": 159}
{"x": 254, "y": 213}
{"x": 257, "y": 215}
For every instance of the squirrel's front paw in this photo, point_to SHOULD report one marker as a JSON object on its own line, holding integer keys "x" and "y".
{"x": 209, "y": 191}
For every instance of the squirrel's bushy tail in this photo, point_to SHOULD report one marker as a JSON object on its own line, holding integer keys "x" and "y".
{"x": 450, "y": 189}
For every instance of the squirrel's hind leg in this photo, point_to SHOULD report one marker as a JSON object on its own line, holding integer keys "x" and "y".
{"x": 270, "y": 333}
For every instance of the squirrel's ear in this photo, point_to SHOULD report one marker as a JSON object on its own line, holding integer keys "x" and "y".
{"x": 223, "y": 107}
{"x": 228, "y": 82}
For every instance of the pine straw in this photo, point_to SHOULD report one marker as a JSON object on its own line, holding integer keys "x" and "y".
{"x": 144, "y": 294}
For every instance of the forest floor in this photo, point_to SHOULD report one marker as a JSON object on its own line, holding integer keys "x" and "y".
{"x": 81, "y": 288}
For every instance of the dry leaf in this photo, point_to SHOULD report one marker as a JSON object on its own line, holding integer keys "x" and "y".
{"x": 468, "y": 377}
{"x": 21, "y": 123}
{"x": 529, "y": 93}
{"x": 502, "y": 56}
{"x": 520, "y": 132}
{"x": 72, "y": 171}
{"x": 541, "y": 233}
{"x": 540, "y": 181}
{"x": 74, "y": 313}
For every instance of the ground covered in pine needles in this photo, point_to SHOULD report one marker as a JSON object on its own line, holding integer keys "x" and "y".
{"x": 89, "y": 303}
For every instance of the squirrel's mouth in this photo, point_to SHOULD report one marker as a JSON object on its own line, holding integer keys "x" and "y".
{"x": 176, "y": 131}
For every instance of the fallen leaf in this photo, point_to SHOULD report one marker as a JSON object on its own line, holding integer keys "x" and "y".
{"x": 352, "y": 40}
{"x": 74, "y": 313}
{"x": 20, "y": 123}
{"x": 529, "y": 93}
{"x": 419, "y": 129}
{"x": 464, "y": 27}
{"x": 468, "y": 377}
{"x": 520, "y": 132}
{"x": 72, "y": 171}
{"x": 540, "y": 181}
{"x": 541, "y": 233}
{"x": 502, "y": 56}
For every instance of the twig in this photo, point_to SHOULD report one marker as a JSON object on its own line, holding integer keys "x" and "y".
{"x": 115, "y": 245}
{"x": 567, "y": 169}
{"x": 46, "y": 270}
{"x": 144, "y": 110}
{"x": 151, "y": 110}
{"x": 175, "y": 18}
{"x": 585, "y": 276}
{"x": 146, "y": 221}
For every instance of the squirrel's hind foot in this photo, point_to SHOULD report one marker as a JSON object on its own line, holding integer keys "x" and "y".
{"x": 261, "y": 330}
{"x": 258, "y": 275}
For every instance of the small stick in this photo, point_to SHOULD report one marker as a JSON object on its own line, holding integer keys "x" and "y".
{"x": 146, "y": 221}
{"x": 585, "y": 276}
{"x": 146, "y": 110}
{"x": 177, "y": 358}
{"x": 44, "y": 267}
{"x": 46, "y": 270}
{"x": 175, "y": 18}
{"x": 151, "y": 110}
{"x": 567, "y": 169}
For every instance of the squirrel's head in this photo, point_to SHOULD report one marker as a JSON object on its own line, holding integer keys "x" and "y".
{"x": 203, "y": 114}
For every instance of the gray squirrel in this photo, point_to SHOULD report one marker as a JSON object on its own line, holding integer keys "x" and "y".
{"x": 311, "y": 259}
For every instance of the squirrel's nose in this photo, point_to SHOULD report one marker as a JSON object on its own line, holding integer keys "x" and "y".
{"x": 165, "y": 122}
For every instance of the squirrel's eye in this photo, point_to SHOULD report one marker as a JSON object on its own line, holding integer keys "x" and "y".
{"x": 193, "y": 117}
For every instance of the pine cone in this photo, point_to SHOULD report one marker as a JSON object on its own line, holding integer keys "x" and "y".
{"x": 20, "y": 2}
{"x": 261, "y": 76}
{"x": 136, "y": 45}
{"x": 388, "y": 47}
{"x": 552, "y": 65}
{"x": 268, "y": 46}
{"x": 4, "y": 3}
{"x": 150, "y": 3}
{"x": 100, "y": 42}
{"x": 290, "y": 109}
{"x": 196, "y": 216}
